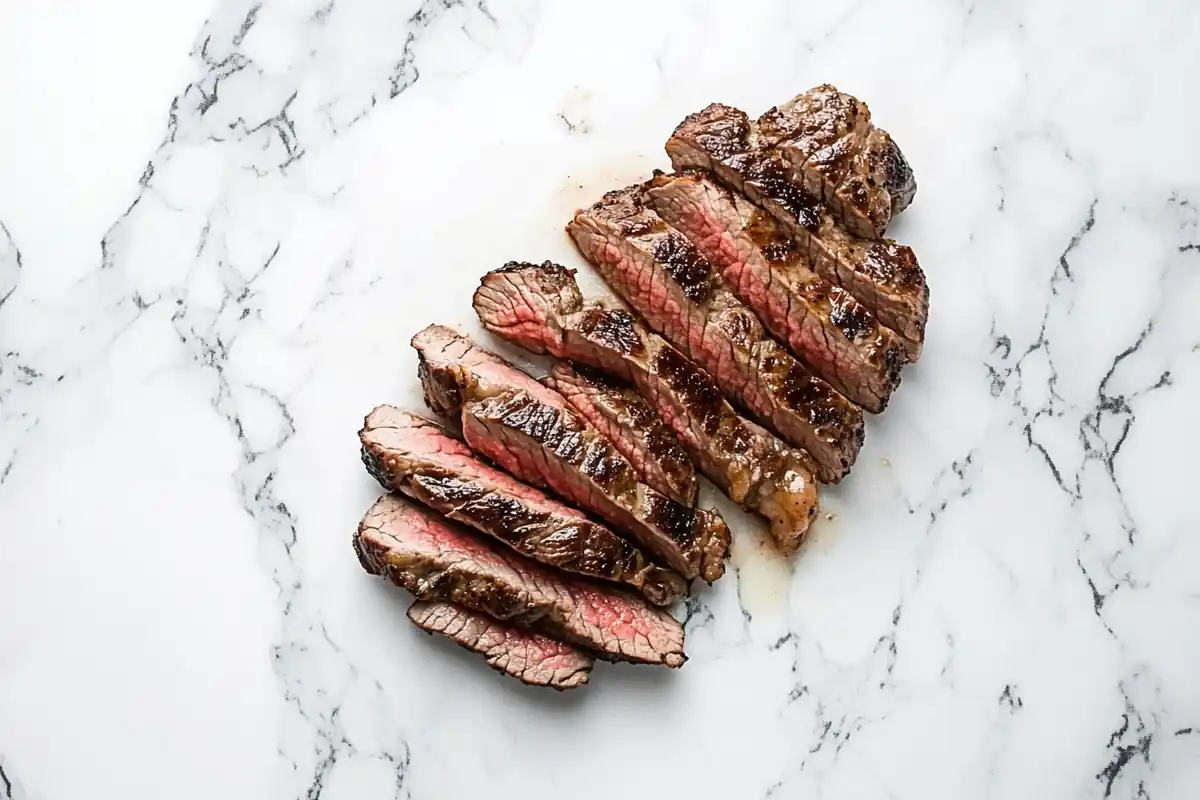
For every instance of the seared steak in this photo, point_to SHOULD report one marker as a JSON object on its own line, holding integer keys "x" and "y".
{"x": 831, "y": 332}
{"x": 532, "y": 432}
{"x": 541, "y": 308}
{"x": 527, "y": 656}
{"x": 681, "y": 296}
{"x": 412, "y": 455}
{"x": 828, "y": 140}
{"x": 437, "y": 560}
{"x": 620, "y": 413}
{"x": 883, "y": 275}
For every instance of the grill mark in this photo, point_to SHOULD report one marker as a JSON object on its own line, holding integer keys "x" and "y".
{"x": 678, "y": 522}
{"x": 691, "y": 271}
{"x": 615, "y": 329}
{"x": 704, "y": 400}
{"x": 769, "y": 174}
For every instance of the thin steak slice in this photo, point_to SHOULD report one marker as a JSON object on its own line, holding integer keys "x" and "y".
{"x": 412, "y": 455}
{"x": 831, "y": 332}
{"x": 883, "y": 275}
{"x": 527, "y": 656}
{"x": 532, "y": 432}
{"x": 681, "y": 296}
{"x": 541, "y": 308}
{"x": 621, "y": 414}
{"x": 440, "y": 561}
{"x": 828, "y": 140}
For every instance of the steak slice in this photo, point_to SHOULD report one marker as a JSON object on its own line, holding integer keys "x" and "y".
{"x": 541, "y": 308}
{"x": 527, "y": 656}
{"x": 440, "y": 561}
{"x": 828, "y": 140}
{"x": 533, "y": 433}
{"x": 831, "y": 332}
{"x": 412, "y": 455}
{"x": 883, "y": 275}
{"x": 621, "y": 414}
{"x": 680, "y": 295}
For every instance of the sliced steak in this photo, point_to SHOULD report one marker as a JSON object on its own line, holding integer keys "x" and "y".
{"x": 440, "y": 561}
{"x": 527, "y": 656}
{"x": 621, "y": 414}
{"x": 831, "y": 332}
{"x": 883, "y": 275}
{"x": 828, "y": 140}
{"x": 681, "y": 296}
{"x": 541, "y": 308}
{"x": 532, "y": 432}
{"x": 412, "y": 455}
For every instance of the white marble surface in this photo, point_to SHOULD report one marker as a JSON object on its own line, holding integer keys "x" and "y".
{"x": 1004, "y": 603}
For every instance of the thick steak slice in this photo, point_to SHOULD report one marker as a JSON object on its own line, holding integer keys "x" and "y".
{"x": 527, "y": 656}
{"x": 440, "y": 561}
{"x": 412, "y": 455}
{"x": 828, "y": 140}
{"x": 621, "y": 414}
{"x": 831, "y": 332}
{"x": 681, "y": 296}
{"x": 532, "y": 432}
{"x": 541, "y": 308}
{"x": 883, "y": 275}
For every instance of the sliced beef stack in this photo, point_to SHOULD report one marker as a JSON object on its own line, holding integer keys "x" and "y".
{"x": 753, "y": 280}
{"x": 542, "y": 309}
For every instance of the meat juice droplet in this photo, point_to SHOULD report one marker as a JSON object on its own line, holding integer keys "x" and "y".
{"x": 764, "y": 574}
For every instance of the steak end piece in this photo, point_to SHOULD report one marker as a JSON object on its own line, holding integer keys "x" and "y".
{"x": 681, "y": 296}
{"x": 835, "y": 336}
{"x": 527, "y": 656}
{"x": 439, "y": 561}
{"x": 882, "y": 275}
{"x": 409, "y": 454}
{"x": 835, "y": 152}
{"x": 533, "y": 433}
{"x": 749, "y": 464}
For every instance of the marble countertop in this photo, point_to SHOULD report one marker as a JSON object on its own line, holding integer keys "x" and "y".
{"x": 216, "y": 244}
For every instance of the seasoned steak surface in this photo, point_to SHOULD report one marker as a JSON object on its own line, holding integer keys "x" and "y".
{"x": 412, "y": 455}
{"x": 682, "y": 297}
{"x": 437, "y": 560}
{"x": 527, "y": 656}
{"x": 532, "y": 432}
{"x": 834, "y": 335}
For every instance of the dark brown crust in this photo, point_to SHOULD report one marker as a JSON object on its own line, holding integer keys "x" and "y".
{"x": 412, "y": 455}
{"x": 624, "y": 417}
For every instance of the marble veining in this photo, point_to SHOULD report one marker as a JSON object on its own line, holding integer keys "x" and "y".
{"x": 1003, "y": 599}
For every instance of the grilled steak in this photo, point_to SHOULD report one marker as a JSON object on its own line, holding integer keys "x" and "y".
{"x": 439, "y": 561}
{"x": 680, "y": 295}
{"x": 828, "y": 140}
{"x": 527, "y": 656}
{"x": 832, "y": 333}
{"x": 533, "y": 433}
{"x": 883, "y": 275}
{"x": 621, "y": 414}
{"x": 412, "y": 455}
{"x": 541, "y": 308}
